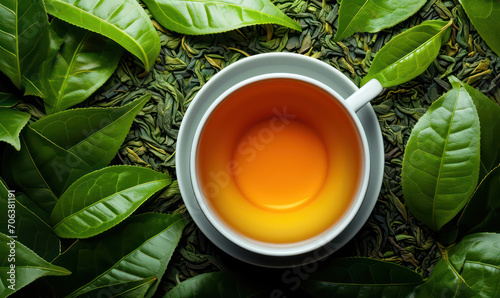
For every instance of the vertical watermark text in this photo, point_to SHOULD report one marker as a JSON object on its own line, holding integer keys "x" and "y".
{"x": 249, "y": 148}
{"x": 11, "y": 231}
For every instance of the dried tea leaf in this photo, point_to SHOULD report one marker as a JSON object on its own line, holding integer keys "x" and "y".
{"x": 485, "y": 15}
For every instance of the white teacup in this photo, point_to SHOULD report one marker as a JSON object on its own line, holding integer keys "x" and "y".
{"x": 349, "y": 105}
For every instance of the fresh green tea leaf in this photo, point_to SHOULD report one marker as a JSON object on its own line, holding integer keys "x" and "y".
{"x": 408, "y": 54}
{"x": 34, "y": 84}
{"x": 373, "y": 16}
{"x": 137, "y": 249}
{"x": 8, "y": 99}
{"x": 217, "y": 285}
{"x": 132, "y": 289}
{"x": 123, "y": 21}
{"x": 441, "y": 161}
{"x": 475, "y": 217}
{"x": 29, "y": 204}
{"x": 9, "y": 94}
{"x": 205, "y": 17}
{"x": 42, "y": 169}
{"x": 24, "y": 39}
{"x": 4, "y": 190}
{"x": 485, "y": 16}
{"x": 86, "y": 60}
{"x": 29, "y": 229}
{"x": 28, "y": 266}
{"x": 102, "y": 199}
{"x": 482, "y": 212}
{"x": 361, "y": 277}
{"x": 11, "y": 124}
{"x": 489, "y": 119}
{"x": 39, "y": 76}
{"x": 470, "y": 268}
{"x": 3, "y": 288}
{"x": 92, "y": 134}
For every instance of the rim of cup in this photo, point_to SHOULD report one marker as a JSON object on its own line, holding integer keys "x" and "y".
{"x": 280, "y": 249}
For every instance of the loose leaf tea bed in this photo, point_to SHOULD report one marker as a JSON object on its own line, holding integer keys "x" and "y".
{"x": 186, "y": 63}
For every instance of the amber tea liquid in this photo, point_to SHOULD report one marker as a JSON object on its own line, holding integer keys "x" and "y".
{"x": 279, "y": 161}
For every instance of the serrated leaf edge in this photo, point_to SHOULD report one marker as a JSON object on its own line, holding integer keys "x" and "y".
{"x": 121, "y": 259}
{"x": 144, "y": 59}
{"x": 439, "y": 34}
{"x": 290, "y": 24}
{"x": 126, "y": 167}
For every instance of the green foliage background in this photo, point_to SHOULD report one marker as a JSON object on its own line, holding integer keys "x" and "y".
{"x": 186, "y": 63}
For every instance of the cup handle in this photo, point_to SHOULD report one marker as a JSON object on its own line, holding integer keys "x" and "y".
{"x": 364, "y": 95}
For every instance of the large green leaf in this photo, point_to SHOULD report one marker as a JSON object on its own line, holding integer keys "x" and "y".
{"x": 203, "y": 17}
{"x": 100, "y": 200}
{"x": 39, "y": 77}
{"x": 33, "y": 207}
{"x": 24, "y": 38}
{"x": 85, "y": 61}
{"x": 28, "y": 266}
{"x": 489, "y": 118}
{"x": 123, "y": 21}
{"x": 7, "y": 98}
{"x": 441, "y": 161}
{"x": 485, "y": 16}
{"x": 475, "y": 216}
{"x": 42, "y": 169}
{"x": 132, "y": 289}
{"x": 4, "y": 190}
{"x": 217, "y": 285}
{"x": 470, "y": 268}
{"x": 29, "y": 229}
{"x": 361, "y": 277}
{"x": 482, "y": 213}
{"x": 11, "y": 124}
{"x": 408, "y": 54}
{"x": 9, "y": 95}
{"x": 138, "y": 248}
{"x": 373, "y": 16}
{"x": 92, "y": 134}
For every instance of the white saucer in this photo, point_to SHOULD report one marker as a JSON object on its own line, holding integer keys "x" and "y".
{"x": 262, "y": 64}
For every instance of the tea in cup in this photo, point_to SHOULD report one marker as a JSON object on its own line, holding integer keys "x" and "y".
{"x": 280, "y": 163}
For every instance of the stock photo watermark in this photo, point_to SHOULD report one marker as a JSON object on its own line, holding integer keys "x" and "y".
{"x": 83, "y": 150}
{"x": 249, "y": 148}
{"x": 11, "y": 231}
{"x": 293, "y": 277}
